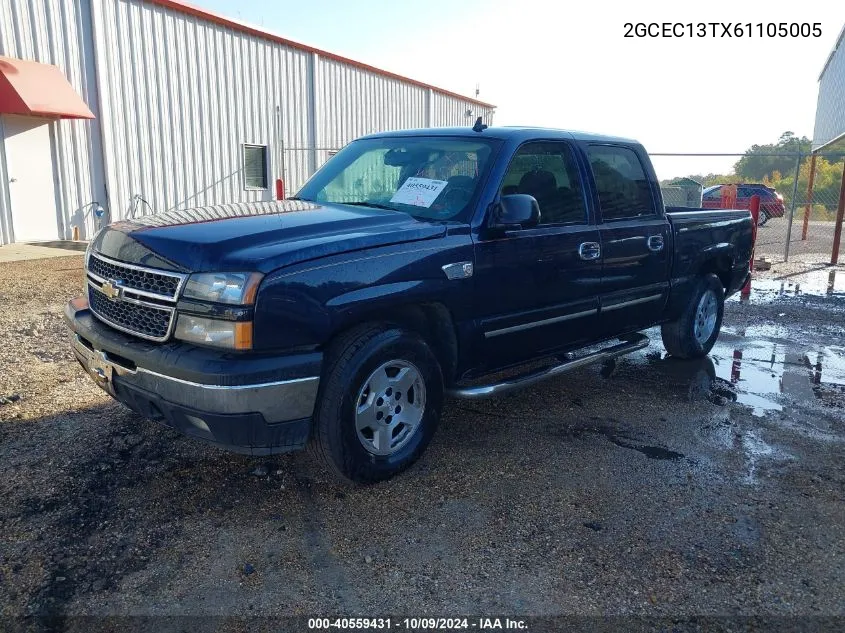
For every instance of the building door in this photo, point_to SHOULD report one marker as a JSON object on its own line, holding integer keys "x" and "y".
{"x": 31, "y": 180}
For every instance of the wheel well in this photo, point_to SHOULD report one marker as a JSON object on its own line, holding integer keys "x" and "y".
{"x": 719, "y": 266}
{"x": 432, "y": 321}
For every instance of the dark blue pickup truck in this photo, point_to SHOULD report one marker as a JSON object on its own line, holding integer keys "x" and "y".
{"x": 412, "y": 266}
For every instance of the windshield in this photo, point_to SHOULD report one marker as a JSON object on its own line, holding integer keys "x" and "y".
{"x": 434, "y": 178}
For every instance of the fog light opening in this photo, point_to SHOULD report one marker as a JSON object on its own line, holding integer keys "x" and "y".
{"x": 198, "y": 423}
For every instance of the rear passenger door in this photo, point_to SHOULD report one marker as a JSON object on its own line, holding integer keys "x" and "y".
{"x": 635, "y": 240}
{"x": 536, "y": 288}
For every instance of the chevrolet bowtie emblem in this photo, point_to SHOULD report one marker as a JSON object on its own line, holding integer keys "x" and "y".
{"x": 111, "y": 290}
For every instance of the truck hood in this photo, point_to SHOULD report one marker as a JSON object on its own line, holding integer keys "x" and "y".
{"x": 256, "y": 236}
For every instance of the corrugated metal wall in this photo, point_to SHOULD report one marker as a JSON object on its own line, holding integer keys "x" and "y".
{"x": 830, "y": 111}
{"x": 57, "y": 32}
{"x": 179, "y": 101}
{"x": 353, "y": 102}
{"x": 177, "y": 96}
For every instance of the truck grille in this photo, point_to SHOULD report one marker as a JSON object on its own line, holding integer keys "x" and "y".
{"x": 140, "y": 301}
{"x": 143, "y": 320}
{"x": 147, "y": 280}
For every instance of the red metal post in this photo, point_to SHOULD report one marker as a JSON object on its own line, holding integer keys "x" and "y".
{"x": 840, "y": 212}
{"x": 754, "y": 208}
{"x": 809, "y": 196}
{"x": 728, "y": 197}
{"x": 280, "y": 189}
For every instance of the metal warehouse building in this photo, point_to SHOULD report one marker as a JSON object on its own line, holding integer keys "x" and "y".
{"x": 140, "y": 105}
{"x": 830, "y": 110}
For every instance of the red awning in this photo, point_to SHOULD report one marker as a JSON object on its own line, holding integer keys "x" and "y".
{"x": 35, "y": 89}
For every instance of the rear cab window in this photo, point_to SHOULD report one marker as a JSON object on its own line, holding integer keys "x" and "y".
{"x": 623, "y": 188}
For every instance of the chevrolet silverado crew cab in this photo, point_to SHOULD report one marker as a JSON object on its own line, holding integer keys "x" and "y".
{"x": 412, "y": 266}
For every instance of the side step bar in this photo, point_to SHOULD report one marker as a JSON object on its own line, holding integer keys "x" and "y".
{"x": 630, "y": 344}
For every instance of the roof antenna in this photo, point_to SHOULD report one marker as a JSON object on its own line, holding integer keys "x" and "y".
{"x": 479, "y": 126}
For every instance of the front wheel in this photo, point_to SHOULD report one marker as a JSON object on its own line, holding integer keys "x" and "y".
{"x": 695, "y": 332}
{"x": 763, "y": 218}
{"x": 379, "y": 405}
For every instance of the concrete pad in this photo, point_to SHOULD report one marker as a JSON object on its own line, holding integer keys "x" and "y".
{"x": 21, "y": 252}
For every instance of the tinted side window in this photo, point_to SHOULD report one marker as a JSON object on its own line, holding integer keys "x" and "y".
{"x": 623, "y": 188}
{"x": 713, "y": 195}
{"x": 547, "y": 171}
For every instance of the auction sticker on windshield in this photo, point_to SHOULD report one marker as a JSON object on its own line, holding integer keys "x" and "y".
{"x": 419, "y": 192}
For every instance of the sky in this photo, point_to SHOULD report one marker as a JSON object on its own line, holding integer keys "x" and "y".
{"x": 568, "y": 65}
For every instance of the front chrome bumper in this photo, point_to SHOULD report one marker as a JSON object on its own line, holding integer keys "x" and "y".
{"x": 276, "y": 401}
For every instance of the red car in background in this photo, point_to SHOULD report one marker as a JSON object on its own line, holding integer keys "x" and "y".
{"x": 771, "y": 202}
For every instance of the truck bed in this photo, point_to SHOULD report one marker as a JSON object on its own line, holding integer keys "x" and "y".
{"x": 699, "y": 233}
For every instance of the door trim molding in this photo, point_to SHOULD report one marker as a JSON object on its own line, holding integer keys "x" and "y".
{"x": 533, "y": 324}
{"x": 632, "y": 302}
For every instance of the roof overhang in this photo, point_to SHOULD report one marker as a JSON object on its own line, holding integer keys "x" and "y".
{"x": 35, "y": 89}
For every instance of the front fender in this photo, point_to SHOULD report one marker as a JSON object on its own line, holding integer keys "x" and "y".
{"x": 305, "y": 306}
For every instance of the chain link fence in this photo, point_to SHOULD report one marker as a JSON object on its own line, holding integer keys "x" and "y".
{"x": 799, "y": 205}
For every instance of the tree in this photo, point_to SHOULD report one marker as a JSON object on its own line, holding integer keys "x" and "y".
{"x": 825, "y": 186}
{"x": 760, "y": 163}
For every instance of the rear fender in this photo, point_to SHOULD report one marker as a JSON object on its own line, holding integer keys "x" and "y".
{"x": 719, "y": 259}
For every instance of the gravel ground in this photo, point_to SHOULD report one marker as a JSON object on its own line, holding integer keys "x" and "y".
{"x": 649, "y": 487}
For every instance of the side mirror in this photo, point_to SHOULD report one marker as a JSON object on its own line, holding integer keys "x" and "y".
{"x": 515, "y": 211}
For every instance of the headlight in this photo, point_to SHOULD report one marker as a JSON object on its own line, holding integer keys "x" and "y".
{"x": 213, "y": 332}
{"x": 233, "y": 288}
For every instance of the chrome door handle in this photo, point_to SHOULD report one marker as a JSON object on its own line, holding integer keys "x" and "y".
{"x": 655, "y": 243}
{"x": 589, "y": 250}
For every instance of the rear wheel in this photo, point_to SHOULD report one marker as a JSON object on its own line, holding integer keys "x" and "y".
{"x": 695, "y": 332}
{"x": 379, "y": 404}
{"x": 763, "y": 218}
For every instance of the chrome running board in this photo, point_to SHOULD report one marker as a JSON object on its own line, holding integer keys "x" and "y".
{"x": 630, "y": 344}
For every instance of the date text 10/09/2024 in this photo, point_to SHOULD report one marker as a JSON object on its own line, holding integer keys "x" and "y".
{"x": 722, "y": 29}
{"x": 418, "y": 624}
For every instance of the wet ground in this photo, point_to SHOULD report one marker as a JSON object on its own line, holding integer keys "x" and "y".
{"x": 647, "y": 486}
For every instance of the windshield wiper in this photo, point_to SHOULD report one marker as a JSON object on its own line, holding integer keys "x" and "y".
{"x": 375, "y": 205}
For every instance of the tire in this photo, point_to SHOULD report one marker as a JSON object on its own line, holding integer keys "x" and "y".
{"x": 694, "y": 333}
{"x": 764, "y": 217}
{"x": 358, "y": 372}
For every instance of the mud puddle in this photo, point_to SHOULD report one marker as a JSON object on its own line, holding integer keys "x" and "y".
{"x": 826, "y": 283}
{"x": 751, "y": 367}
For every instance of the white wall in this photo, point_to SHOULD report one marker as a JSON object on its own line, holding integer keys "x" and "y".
{"x": 57, "y": 32}
{"x": 176, "y": 96}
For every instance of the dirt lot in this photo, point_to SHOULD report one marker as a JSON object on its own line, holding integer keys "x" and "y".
{"x": 652, "y": 487}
